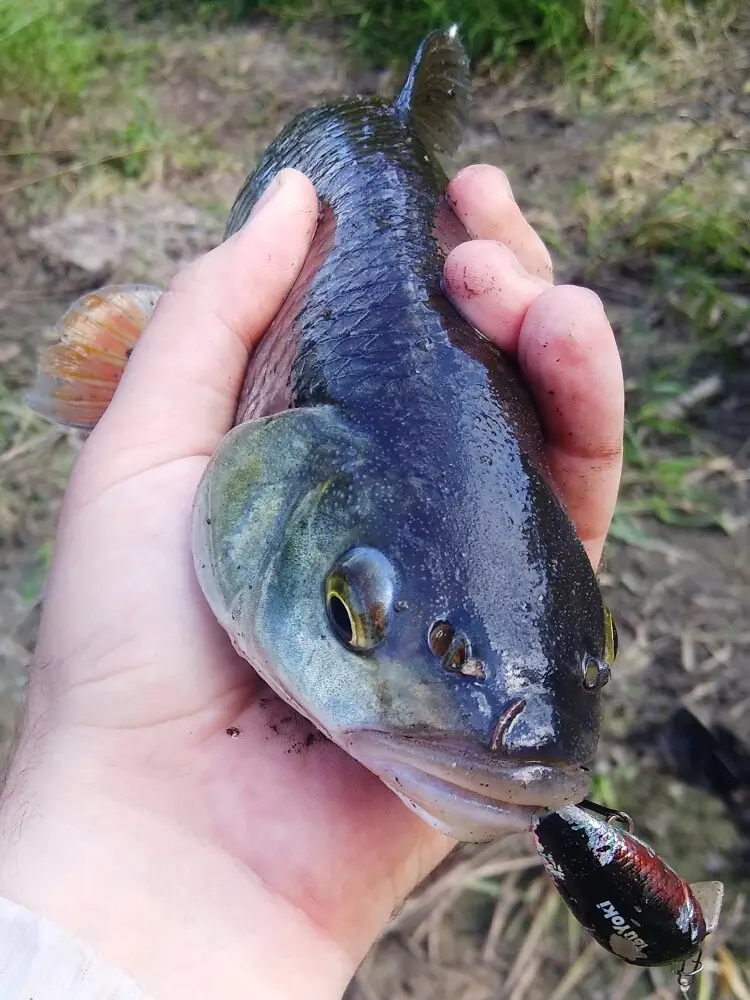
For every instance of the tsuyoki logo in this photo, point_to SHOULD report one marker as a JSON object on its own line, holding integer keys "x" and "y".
{"x": 622, "y": 929}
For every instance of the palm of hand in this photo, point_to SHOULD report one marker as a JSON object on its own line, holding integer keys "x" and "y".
{"x": 209, "y": 746}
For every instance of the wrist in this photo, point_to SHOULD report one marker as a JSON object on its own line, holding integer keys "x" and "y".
{"x": 181, "y": 917}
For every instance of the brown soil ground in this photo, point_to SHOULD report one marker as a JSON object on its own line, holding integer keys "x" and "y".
{"x": 489, "y": 927}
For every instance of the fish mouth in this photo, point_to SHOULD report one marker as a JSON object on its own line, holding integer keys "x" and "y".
{"x": 463, "y": 792}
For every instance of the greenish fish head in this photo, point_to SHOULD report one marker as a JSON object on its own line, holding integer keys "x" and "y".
{"x": 465, "y": 675}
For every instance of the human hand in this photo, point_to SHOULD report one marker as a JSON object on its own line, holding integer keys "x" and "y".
{"x": 501, "y": 282}
{"x": 163, "y": 805}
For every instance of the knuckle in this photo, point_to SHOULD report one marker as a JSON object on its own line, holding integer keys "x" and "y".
{"x": 186, "y": 277}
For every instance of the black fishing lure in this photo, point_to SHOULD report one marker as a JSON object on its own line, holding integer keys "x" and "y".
{"x": 622, "y": 892}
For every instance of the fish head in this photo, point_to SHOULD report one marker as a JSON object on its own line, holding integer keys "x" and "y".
{"x": 466, "y": 676}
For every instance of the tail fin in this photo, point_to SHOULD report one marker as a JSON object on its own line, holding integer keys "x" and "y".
{"x": 437, "y": 94}
{"x": 77, "y": 376}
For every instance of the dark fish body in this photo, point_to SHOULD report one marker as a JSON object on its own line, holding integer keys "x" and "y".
{"x": 379, "y": 534}
{"x": 369, "y": 331}
{"x": 431, "y": 452}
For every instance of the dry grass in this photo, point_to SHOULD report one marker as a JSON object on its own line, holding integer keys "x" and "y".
{"x": 521, "y": 944}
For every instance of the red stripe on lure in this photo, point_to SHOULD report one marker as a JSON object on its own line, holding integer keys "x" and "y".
{"x": 621, "y": 891}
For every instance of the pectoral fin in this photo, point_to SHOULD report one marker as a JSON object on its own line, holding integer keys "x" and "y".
{"x": 78, "y": 375}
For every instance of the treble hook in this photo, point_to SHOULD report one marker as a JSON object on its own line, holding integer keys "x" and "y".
{"x": 609, "y": 814}
{"x": 685, "y": 979}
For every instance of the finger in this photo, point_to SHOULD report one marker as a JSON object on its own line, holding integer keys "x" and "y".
{"x": 178, "y": 395}
{"x": 488, "y": 285}
{"x": 568, "y": 354}
{"x": 482, "y": 199}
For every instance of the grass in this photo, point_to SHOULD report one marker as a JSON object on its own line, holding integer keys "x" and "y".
{"x": 714, "y": 311}
{"x": 568, "y": 32}
{"x": 668, "y": 199}
{"x": 48, "y": 53}
{"x": 671, "y": 472}
{"x": 674, "y": 191}
{"x": 28, "y": 460}
{"x": 52, "y": 52}
{"x": 671, "y": 204}
{"x": 72, "y": 90}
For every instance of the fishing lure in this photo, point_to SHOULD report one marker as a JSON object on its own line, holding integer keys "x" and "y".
{"x": 622, "y": 892}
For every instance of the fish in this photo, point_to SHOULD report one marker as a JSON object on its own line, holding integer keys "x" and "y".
{"x": 379, "y": 533}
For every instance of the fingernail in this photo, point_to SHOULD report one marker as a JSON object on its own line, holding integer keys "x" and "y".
{"x": 268, "y": 195}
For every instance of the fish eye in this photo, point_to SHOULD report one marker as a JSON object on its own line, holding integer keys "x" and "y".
{"x": 595, "y": 673}
{"x": 611, "y": 640}
{"x": 341, "y": 619}
{"x": 359, "y": 595}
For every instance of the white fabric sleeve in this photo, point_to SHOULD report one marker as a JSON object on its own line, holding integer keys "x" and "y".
{"x": 41, "y": 961}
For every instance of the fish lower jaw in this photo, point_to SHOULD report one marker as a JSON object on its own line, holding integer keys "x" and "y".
{"x": 471, "y": 802}
{"x": 453, "y": 810}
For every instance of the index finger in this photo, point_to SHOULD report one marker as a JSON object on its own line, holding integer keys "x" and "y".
{"x": 483, "y": 200}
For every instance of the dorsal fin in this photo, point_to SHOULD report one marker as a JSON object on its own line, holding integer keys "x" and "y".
{"x": 437, "y": 93}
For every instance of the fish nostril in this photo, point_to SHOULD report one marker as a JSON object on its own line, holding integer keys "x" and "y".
{"x": 440, "y": 637}
{"x": 503, "y": 724}
{"x": 454, "y": 650}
